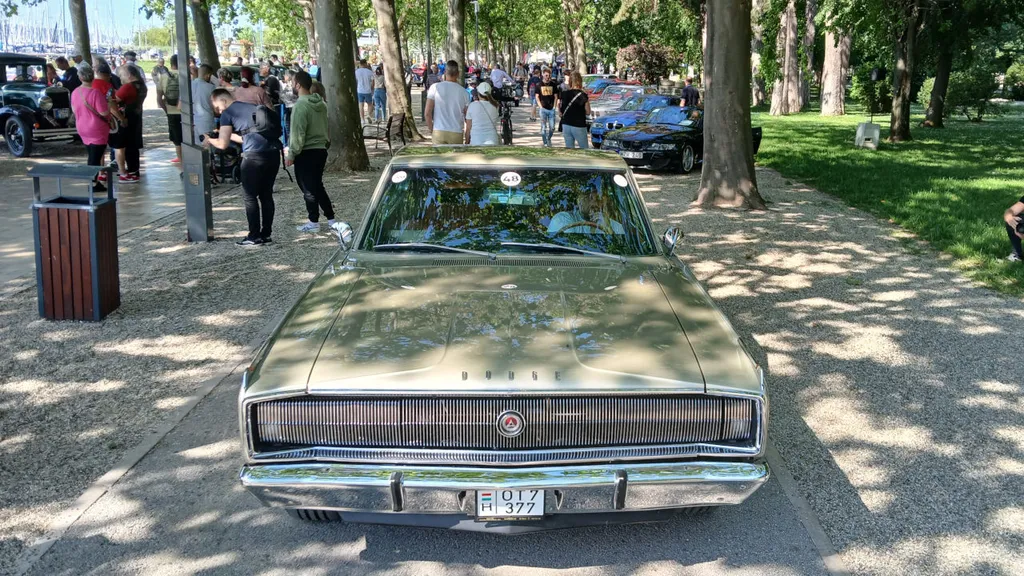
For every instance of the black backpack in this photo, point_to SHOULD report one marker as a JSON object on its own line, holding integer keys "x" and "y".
{"x": 267, "y": 123}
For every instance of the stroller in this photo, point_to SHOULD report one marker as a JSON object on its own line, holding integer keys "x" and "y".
{"x": 226, "y": 164}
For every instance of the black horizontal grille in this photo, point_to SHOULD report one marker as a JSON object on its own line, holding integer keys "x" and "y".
{"x": 632, "y": 145}
{"x": 472, "y": 423}
{"x": 60, "y": 98}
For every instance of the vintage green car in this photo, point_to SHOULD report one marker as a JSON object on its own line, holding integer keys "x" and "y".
{"x": 30, "y": 111}
{"x": 505, "y": 345}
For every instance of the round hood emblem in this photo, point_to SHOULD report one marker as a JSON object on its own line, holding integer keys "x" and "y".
{"x": 511, "y": 423}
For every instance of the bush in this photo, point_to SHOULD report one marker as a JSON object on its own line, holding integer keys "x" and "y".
{"x": 876, "y": 97}
{"x": 970, "y": 91}
{"x": 924, "y": 95}
{"x": 1013, "y": 83}
{"x": 650, "y": 62}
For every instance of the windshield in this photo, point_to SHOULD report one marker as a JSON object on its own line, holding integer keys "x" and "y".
{"x": 480, "y": 209}
{"x": 644, "y": 103}
{"x": 674, "y": 116}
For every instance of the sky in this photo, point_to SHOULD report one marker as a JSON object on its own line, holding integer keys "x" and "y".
{"x": 51, "y": 12}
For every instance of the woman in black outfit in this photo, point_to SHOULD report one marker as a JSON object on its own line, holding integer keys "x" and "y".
{"x": 575, "y": 111}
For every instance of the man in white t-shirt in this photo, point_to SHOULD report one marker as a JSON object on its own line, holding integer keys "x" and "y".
{"x": 446, "y": 108}
{"x": 364, "y": 90}
{"x": 499, "y": 78}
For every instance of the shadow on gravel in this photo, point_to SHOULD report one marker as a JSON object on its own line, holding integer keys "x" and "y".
{"x": 75, "y": 397}
{"x": 895, "y": 383}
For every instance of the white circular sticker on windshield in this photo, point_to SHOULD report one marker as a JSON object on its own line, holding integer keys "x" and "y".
{"x": 399, "y": 177}
{"x": 511, "y": 179}
{"x": 620, "y": 180}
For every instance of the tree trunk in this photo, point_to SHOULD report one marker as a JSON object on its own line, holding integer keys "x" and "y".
{"x": 757, "y": 92}
{"x": 80, "y": 26}
{"x": 570, "y": 50}
{"x": 339, "y": 78}
{"x": 807, "y": 74}
{"x": 728, "y": 177}
{"x": 574, "y": 14}
{"x": 937, "y": 102}
{"x": 456, "y": 34}
{"x": 833, "y": 75}
{"x": 786, "y": 92}
{"x": 394, "y": 71}
{"x": 205, "y": 43}
{"x": 309, "y": 23}
{"x": 905, "y": 50}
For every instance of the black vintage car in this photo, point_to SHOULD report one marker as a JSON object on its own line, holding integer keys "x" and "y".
{"x": 669, "y": 137}
{"x": 30, "y": 111}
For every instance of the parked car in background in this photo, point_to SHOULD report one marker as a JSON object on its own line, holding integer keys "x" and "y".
{"x": 631, "y": 112}
{"x": 666, "y": 138}
{"x": 589, "y": 79}
{"x": 598, "y": 85}
{"x": 505, "y": 345}
{"x": 29, "y": 110}
{"x": 614, "y": 96}
{"x": 416, "y": 74}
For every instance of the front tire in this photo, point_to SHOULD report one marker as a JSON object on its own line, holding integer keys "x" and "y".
{"x": 687, "y": 159}
{"x": 18, "y": 135}
{"x": 312, "y": 515}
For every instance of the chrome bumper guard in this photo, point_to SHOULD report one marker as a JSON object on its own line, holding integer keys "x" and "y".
{"x": 54, "y": 132}
{"x": 402, "y": 490}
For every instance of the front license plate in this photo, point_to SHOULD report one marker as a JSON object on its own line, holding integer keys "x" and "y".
{"x": 509, "y": 504}
{"x": 62, "y": 113}
{"x": 633, "y": 155}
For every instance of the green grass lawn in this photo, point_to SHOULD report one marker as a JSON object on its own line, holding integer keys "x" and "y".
{"x": 948, "y": 186}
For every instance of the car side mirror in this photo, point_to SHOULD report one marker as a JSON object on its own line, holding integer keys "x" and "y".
{"x": 344, "y": 233}
{"x": 671, "y": 237}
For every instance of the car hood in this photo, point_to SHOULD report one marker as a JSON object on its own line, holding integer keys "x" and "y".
{"x": 24, "y": 87}
{"x": 643, "y": 132}
{"x": 596, "y": 325}
{"x": 625, "y": 118}
{"x": 451, "y": 325}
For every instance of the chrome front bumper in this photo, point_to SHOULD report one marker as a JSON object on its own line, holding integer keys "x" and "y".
{"x": 399, "y": 494}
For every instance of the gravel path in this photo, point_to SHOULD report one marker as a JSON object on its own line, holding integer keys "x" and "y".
{"x": 895, "y": 383}
{"x": 75, "y": 397}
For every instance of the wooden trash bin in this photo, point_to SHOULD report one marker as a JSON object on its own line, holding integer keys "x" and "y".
{"x": 76, "y": 246}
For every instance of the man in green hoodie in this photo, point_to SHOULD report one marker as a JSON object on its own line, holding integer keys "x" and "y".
{"x": 307, "y": 150}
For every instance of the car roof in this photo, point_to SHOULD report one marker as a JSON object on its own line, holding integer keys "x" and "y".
{"x": 26, "y": 58}
{"x": 506, "y": 156}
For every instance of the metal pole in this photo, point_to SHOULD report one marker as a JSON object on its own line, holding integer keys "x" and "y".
{"x": 195, "y": 160}
{"x": 426, "y": 68}
{"x": 430, "y": 55}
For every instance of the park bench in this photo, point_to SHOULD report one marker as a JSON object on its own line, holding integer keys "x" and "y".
{"x": 394, "y": 128}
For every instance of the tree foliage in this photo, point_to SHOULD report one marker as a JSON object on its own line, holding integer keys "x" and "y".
{"x": 650, "y": 62}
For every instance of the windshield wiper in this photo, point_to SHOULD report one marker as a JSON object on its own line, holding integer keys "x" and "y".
{"x": 547, "y": 246}
{"x": 429, "y": 246}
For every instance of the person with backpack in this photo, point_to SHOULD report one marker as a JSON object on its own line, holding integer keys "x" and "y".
{"x": 167, "y": 96}
{"x": 307, "y": 150}
{"x": 258, "y": 130}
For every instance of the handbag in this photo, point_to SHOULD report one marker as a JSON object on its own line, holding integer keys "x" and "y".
{"x": 571, "y": 102}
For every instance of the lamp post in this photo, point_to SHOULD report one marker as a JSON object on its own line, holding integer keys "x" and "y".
{"x": 426, "y": 69}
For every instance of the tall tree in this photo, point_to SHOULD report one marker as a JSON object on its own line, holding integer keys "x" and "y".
{"x": 833, "y": 74}
{"x": 728, "y": 177}
{"x": 905, "y": 50}
{"x": 80, "y": 25}
{"x": 807, "y": 74}
{"x": 757, "y": 88}
{"x": 339, "y": 79}
{"x": 786, "y": 92}
{"x": 574, "y": 22}
{"x": 205, "y": 41}
{"x": 394, "y": 71}
{"x": 456, "y": 48}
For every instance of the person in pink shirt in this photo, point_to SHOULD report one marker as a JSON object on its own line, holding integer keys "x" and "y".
{"x": 92, "y": 118}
